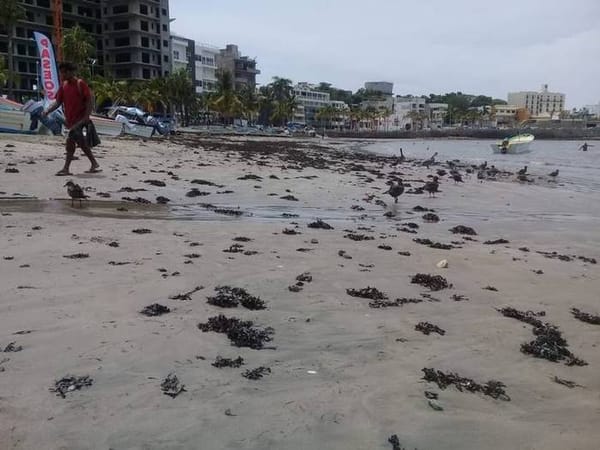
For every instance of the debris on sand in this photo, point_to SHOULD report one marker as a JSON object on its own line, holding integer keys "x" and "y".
{"x": 155, "y": 309}
{"x": 71, "y": 383}
{"x": 549, "y": 343}
{"x": 320, "y": 225}
{"x": 192, "y": 255}
{"x": 585, "y": 317}
{"x": 461, "y": 229}
{"x": 228, "y": 212}
{"x": 141, "y": 231}
{"x": 568, "y": 383}
{"x": 235, "y": 248}
{"x": 12, "y": 348}
{"x": 231, "y": 297}
{"x": 433, "y": 282}
{"x": 344, "y": 255}
{"x": 156, "y": 183}
{"x": 459, "y": 298}
{"x": 186, "y": 295}
{"x": 171, "y": 387}
{"x": 428, "y": 328}
{"x": 368, "y": 292}
{"x": 11, "y": 170}
{"x": 227, "y": 362}
{"x": 490, "y": 288}
{"x": 431, "y": 244}
{"x": 240, "y": 333}
{"x": 493, "y": 388}
{"x": 294, "y": 288}
{"x": 113, "y": 244}
{"x": 206, "y": 183}
{"x": 250, "y": 177}
{"x": 384, "y": 247}
{"x": 77, "y": 256}
{"x": 359, "y": 237}
{"x": 242, "y": 239}
{"x": 195, "y": 192}
{"x": 420, "y": 208}
{"x": 403, "y": 253}
{"x": 393, "y": 303}
{"x": 289, "y": 216}
{"x": 256, "y": 374}
{"x": 497, "y": 241}
{"x": 524, "y": 249}
{"x": 305, "y": 277}
{"x": 290, "y": 231}
{"x": 162, "y": 200}
{"x": 289, "y": 197}
{"x": 430, "y": 217}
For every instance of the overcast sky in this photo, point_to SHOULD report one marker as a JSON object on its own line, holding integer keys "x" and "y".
{"x": 426, "y": 46}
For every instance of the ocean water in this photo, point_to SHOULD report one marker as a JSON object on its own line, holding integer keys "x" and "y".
{"x": 579, "y": 171}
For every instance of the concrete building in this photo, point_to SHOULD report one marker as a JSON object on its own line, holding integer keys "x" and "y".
{"x": 136, "y": 38}
{"x": 132, "y": 38}
{"x": 310, "y": 101}
{"x": 436, "y": 114}
{"x": 593, "y": 110}
{"x": 543, "y": 104}
{"x": 243, "y": 68}
{"x": 206, "y": 68}
{"x": 38, "y": 17}
{"x": 182, "y": 55}
{"x": 383, "y": 87}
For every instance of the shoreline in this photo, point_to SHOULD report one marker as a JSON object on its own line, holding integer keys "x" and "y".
{"x": 343, "y": 373}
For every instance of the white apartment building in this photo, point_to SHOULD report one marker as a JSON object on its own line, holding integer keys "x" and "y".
{"x": 543, "y": 104}
{"x": 180, "y": 54}
{"x": 311, "y": 101}
{"x": 437, "y": 114}
{"x": 408, "y": 113}
{"x": 206, "y": 68}
{"x": 593, "y": 110}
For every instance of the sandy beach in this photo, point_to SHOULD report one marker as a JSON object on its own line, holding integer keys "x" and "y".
{"x": 346, "y": 372}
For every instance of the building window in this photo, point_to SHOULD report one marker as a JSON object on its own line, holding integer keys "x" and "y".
{"x": 121, "y": 26}
{"x": 176, "y": 54}
{"x": 145, "y": 42}
{"x": 144, "y": 25}
{"x": 143, "y": 9}
{"x": 146, "y": 58}
{"x": 166, "y": 44}
{"x": 164, "y": 27}
{"x": 122, "y": 57}
{"x": 122, "y": 42}
{"x": 120, "y": 9}
{"x": 164, "y": 12}
{"x": 166, "y": 58}
{"x": 146, "y": 74}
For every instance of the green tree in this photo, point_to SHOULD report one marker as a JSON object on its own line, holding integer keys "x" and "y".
{"x": 225, "y": 101}
{"x": 11, "y": 12}
{"x": 250, "y": 102}
{"x": 78, "y": 47}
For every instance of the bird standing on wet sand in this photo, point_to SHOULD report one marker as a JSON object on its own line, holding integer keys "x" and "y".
{"x": 430, "y": 161}
{"x": 395, "y": 190}
{"x": 523, "y": 171}
{"x": 457, "y": 177}
{"x": 432, "y": 186}
{"x": 75, "y": 192}
{"x": 553, "y": 174}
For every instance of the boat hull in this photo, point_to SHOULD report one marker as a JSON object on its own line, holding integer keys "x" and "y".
{"x": 516, "y": 145}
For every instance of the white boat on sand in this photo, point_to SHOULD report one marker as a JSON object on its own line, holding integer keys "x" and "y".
{"x": 514, "y": 145}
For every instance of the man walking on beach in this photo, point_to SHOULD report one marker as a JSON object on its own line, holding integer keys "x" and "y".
{"x": 76, "y": 98}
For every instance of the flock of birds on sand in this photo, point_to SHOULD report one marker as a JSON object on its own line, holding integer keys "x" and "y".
{"x": 396, "y": 189}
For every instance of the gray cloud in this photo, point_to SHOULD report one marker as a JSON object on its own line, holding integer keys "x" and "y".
{"x": 430, "y": 46}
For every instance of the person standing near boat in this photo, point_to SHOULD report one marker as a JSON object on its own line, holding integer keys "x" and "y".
{"x": 76, "y": 98}
{"x": 585, "y": 146}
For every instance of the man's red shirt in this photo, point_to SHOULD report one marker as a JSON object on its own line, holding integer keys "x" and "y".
{"x": 74, "y": 95}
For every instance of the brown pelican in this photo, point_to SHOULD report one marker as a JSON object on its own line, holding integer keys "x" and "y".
{"x": 432, "y": 186}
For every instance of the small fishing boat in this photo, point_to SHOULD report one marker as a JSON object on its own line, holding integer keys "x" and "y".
{"x": 514, "y": 145}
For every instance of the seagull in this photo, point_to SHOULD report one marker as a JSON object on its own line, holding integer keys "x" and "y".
{"x": 432, "y": 186}
{"x": 523, "y": 171}
{"x": 396, "y": 190}
{"x": 75, "y": 192}
{"x": 553, "y": 174}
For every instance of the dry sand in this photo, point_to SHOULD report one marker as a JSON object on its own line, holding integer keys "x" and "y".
{"x": 344, "y": 375}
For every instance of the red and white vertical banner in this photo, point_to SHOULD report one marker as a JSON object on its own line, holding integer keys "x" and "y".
{"x": 48, "y": 71}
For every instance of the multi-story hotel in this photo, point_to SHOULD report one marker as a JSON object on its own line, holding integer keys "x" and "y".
{"x": 539, "y": 104}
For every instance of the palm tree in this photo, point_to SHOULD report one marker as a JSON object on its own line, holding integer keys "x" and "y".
{"x": 282, "y": 88}
{"x": 225, "y": 101}
{"x": 78, "y": 47}
{"x": 107, "y": 91}
{"x": 249, "y": 100}
{"x": 11, "y": 13}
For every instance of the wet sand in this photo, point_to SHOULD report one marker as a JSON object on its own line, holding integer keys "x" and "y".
{"x": 343, "y": 375}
